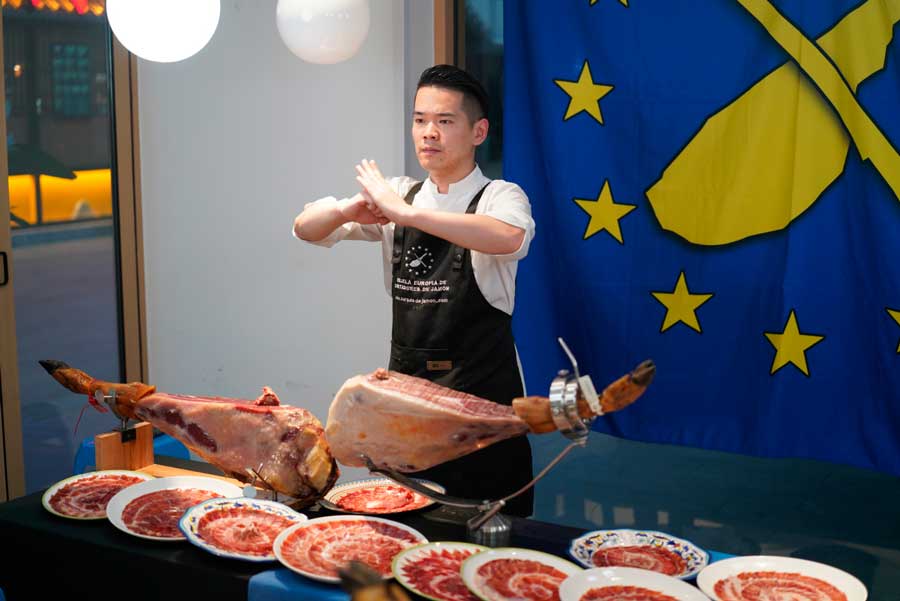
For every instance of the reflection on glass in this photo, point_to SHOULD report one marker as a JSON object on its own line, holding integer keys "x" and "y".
{"x": 61, "y": 210}
{"x": 484, "y": 59}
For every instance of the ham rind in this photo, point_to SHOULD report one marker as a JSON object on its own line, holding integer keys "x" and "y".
{"x": 410, "y": 424}
{"x": 284, "y": 444}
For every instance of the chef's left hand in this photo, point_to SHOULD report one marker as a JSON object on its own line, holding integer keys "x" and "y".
{"x": 376, "y": 189}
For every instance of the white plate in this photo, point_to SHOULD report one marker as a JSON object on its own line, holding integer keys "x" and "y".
{"x": 714, "y": 572}
{"x": 85, "y": 476}
{"x": 314, "y": 523}
{"x": 190, "y": 523}
{"x": 410, "y": 556}
{"x": 469, "y": 570}
{"x": 125, "y": 496}
{"x": 584, "y": 547}
{"x": 333, "y": 497}
{"x": 577, "y": 585}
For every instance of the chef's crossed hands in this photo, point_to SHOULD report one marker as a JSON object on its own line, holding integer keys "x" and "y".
{"x": 362, "y": 211}
{"x": 383, "y": 201}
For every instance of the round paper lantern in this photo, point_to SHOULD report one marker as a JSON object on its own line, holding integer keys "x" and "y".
{"x": 323, "y": 31}
{"x": 164, "y": 31}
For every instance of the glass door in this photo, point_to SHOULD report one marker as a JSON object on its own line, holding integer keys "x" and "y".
{"x": 63, "y": 222}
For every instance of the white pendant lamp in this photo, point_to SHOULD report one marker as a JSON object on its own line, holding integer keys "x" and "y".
{"x": 164, "y": 31}
{"x": 323, "y": 31}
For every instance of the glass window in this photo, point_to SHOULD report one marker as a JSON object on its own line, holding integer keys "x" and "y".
{"x": 482, "y": 55}
{"x": 57, "y": 76}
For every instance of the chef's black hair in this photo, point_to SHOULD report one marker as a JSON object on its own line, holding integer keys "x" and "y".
{"x": 475, "y": 99}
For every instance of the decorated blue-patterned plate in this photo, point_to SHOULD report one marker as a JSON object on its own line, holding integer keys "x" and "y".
{"x": 238, "y": 528}
{"x": 645, "y": 549}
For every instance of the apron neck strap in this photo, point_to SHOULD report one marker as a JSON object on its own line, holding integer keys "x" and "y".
{"x": 399, "y": 230}
{"x": 459, "y": 253}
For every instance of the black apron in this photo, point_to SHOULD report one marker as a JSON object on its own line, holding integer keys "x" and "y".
{"x": 446, "y": 332}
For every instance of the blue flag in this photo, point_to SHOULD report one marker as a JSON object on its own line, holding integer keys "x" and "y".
{"x": 716, "y": 187}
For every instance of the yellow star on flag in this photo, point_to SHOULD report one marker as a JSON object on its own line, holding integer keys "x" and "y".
{"x": 623, "y": 2}
{"x": 681, "y": 305}
{"x": 605, "y": 213}
{"x": 896, "y": 315}
{"x": 584, "y": 94}
{"x": 791, "y": 345}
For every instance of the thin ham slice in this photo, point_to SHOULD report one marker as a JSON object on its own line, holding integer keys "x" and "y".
{"x": 436, "y": 575}
{"x": 88, "y": 497}
{"x": 157, "y": 513}
{"x": 625, "y": 593}
{"x": 410, "y": 424}
{"x": 645, "y": 557}
{"x": 504, "y": 579}
{"x": 243, "y": 530}
{"x": 776, "y": 586}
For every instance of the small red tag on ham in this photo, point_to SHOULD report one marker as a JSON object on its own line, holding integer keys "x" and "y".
{"x": 646, "y": 557}
{"x": 752, "y": 586}
{"x": 625, "y": 593}
{"x": 88, "y": 497}
{"x": 157, "y": 513}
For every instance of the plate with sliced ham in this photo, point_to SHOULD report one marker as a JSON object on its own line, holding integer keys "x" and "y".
{"x": 238, "y": 528}
{"x": 644, "y": 549}
{"x": 432, "y": 570}
{"x": 510, "y": 573}
{"x": 85, "y": 496}
{"x": 774, "y": 577}
{"x": 626, "y": 584}
{"x": 318, "y": 547}
{"x": 153, "y": 509}
{"x": 377, "y": 496}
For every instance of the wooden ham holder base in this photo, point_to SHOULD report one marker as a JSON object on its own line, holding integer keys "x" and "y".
{"x": 137, "y": 454}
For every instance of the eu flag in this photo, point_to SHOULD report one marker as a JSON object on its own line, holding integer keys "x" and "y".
{"x": 716, "y": 186}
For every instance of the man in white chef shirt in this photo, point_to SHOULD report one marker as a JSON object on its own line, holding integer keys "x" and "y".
{"x": 451, "y": 247}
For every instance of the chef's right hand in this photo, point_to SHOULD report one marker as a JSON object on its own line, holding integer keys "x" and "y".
{"x": 362, "y": 211}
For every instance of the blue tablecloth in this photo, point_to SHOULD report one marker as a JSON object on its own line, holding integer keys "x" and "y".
{"x": 284, "y": 585}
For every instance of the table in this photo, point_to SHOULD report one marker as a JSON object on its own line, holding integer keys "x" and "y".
{"x": 94, "y": 560}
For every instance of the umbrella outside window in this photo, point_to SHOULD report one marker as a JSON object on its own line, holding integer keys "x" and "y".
{"x": 28, "y": 159}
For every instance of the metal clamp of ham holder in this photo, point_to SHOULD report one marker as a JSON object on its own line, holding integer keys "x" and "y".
{"x": 490, "y": 527}
{"x": 126, "y": 434}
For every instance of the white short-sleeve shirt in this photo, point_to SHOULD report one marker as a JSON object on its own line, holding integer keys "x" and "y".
{"x": 502, "y": 200}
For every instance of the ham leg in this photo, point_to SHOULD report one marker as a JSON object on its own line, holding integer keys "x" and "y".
{"x": 409, "y": 424}
{"x": 285, "y": 445}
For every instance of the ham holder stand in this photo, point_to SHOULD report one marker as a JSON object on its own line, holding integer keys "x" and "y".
{"x": 124, "y": 447}
{"x": 489, "y": 527}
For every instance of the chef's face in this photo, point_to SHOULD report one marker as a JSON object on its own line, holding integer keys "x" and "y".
{"x": 444, "y": 135}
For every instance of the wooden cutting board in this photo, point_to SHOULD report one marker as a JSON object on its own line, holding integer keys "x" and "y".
{"x": 164, "y": 471}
